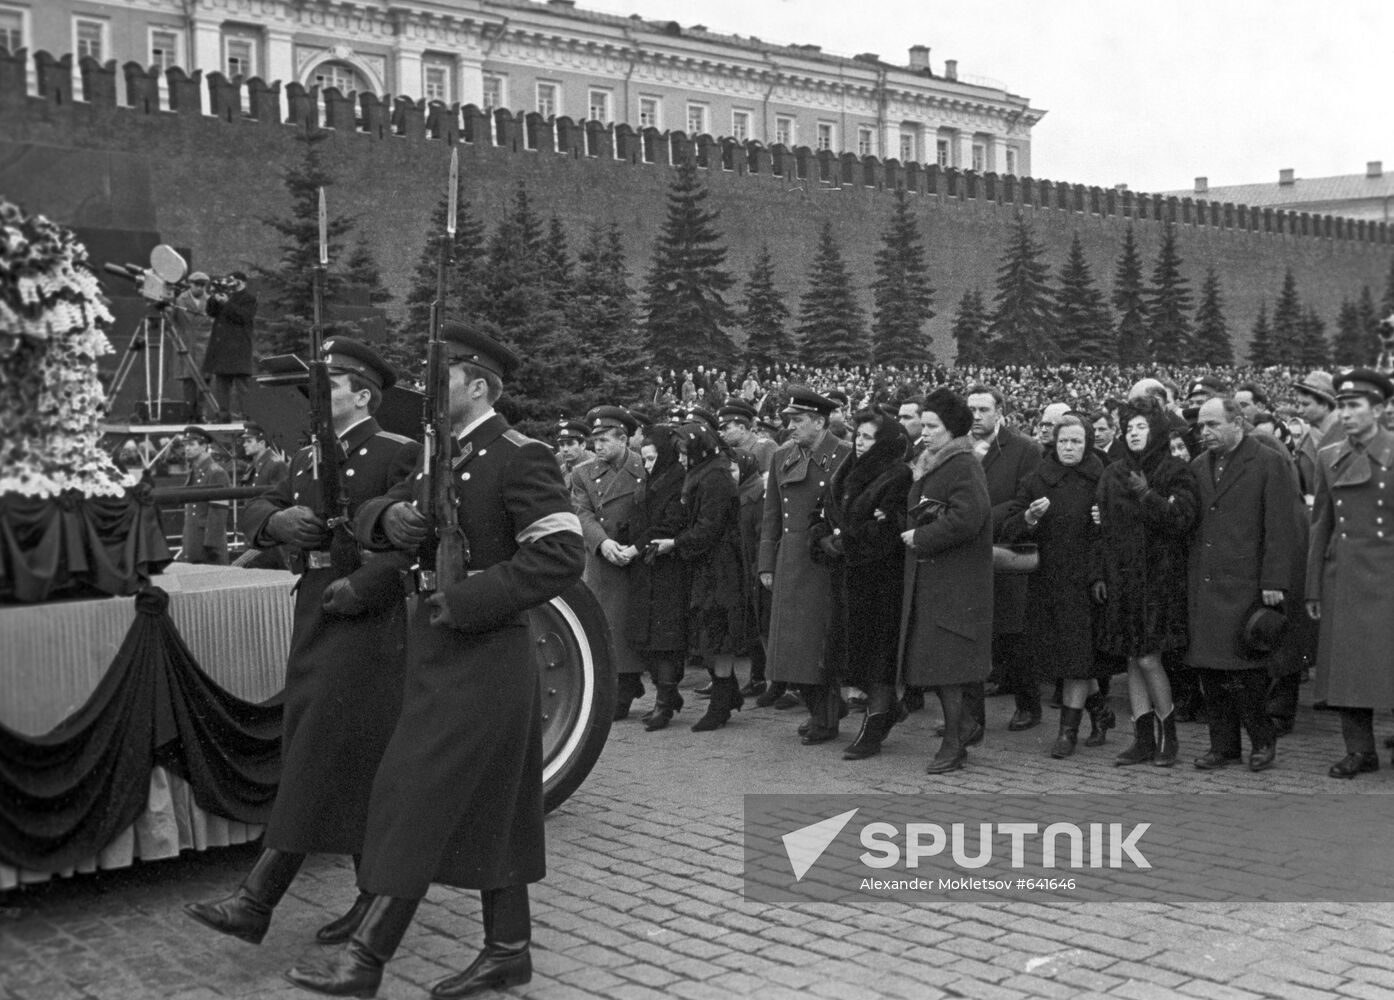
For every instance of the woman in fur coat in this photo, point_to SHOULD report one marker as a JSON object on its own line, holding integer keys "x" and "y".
{"x": 856, "y": 534}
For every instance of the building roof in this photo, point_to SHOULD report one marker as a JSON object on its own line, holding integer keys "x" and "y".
{"x": 1302, "y": 190}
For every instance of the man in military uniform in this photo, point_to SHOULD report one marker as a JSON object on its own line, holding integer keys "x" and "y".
{"x": 266, "y": 466}
{"x": 736, "y": 419}
{"x": 347, "y": 650}
{"x": 1350, "y": 567}
{"x": 205, "y": 521}
{"x": 801, "y": 591}
{"x": 603, "y": 493}
{"x": 571, "y": 438}
{"x": 458, "y": 795}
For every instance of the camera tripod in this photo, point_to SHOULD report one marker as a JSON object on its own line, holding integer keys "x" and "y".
{"x": 157, "y": 326}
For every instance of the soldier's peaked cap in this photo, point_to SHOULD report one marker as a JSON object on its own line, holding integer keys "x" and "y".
{"x": 344, "y": 354}
{"x": 1364, "y": 382}
{"x": 194, "y": 431}
{"x": 464, "y": 343}
{"x": 703, "y": 414}
{"x": 802, "y": 399}
{"x": 738, "y": 411}
{"x": 575, "y": 429}
{"x": 604, "y": 418}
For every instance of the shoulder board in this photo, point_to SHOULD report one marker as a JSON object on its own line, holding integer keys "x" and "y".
{"x": 518, "y": 439}
{"x": 394, "y": 438}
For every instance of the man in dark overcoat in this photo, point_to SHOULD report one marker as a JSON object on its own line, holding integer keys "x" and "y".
{"x": 458, "y": 795}
{"x": 604, "y": 492}
{"x": 1243, "y": 554}
{"x": 1008, "y": 457}
{"x": 736, "y": 419}
{"x": 229, "y": 359}
{"x": 205, "y": 521}
{"x": 1350, "y": 565}
{"x": 343, "y": 684}
{"x": 801, "y": 591}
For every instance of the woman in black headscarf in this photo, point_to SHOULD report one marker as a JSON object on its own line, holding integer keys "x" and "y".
{"x": 1053, "y": 509}
{"x": 1148, "y": 507}
{"x": 718, "y": 606}
{"x": 856, "y": 534}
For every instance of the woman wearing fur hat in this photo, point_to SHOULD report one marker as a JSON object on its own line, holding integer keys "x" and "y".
{"x": 1052, "y": 508}
{"x": 946, "y": 617}
{"x": 1148, "y": 506}
{"x": 856, "y": 534}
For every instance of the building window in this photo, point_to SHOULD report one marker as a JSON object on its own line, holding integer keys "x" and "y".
{"x": 164, "y": 48}
{"x": 89, "y": 38}
{"x": 240, "y": 56}
{"x": 866, "y": 141}
{"x": 941, "y": 152}
{"x": 493, "y": 92}
{"x": 598, "y": 106}
{"x": 908, "y": 144}
{"x": 784, "y": 130}
{"x": 547, "y": 99}
{"x": 435, "y": 81}
{"x": 696, "y": 119}
{"x": 1011, "y": 161}
{"x": 825, "y": 136}
{"x": 740, "y": 125}
{"x": 979, "y": 157}
{"x": 341, "y": 76}
{"x": 11, "y": 29}
{"x": 650, "y": 109}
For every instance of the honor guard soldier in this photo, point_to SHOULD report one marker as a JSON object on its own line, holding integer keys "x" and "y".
{"x": 343, "y": 684}
{"x": 267, "y": 468}
{"x": 205, "y": 521}
{"x": 571, "y": 446}
{"x": 801, "y": 591}
{"x": 603, "y": 493}
{"x": 1350, "y": 567}
{"x": 458, "y": 795}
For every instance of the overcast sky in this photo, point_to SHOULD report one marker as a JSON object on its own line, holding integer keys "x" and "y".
{"x": 1151, "y": 94}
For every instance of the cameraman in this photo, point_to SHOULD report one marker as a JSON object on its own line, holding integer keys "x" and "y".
{"x": 229, "y": 357}
{"x": 190, "y": 319}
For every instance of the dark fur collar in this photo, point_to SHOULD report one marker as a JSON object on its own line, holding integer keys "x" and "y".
{"x": 856, "y": 474}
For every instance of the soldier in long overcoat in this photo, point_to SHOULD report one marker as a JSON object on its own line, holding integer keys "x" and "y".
{"x": 1244, "y": 552}
{"x": 205, "y": 521}
{"x": 1350, "y": 567}
{"x": 343, "y": 684}
{"x": 458, "y": 795}
{"x": 801, "y": 591}
{"x": 603, "y": 492}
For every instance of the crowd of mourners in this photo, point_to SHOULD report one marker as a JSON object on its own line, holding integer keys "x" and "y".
{"x": 864, "y": 537}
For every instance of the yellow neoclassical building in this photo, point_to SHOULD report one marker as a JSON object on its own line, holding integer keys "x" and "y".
{"x": 556, "y": 58}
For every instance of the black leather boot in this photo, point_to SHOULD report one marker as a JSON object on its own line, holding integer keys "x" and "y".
{"x": 1101, "y": 719}
{"x": 875, "y": 727}
{"x": 340, "y": 930}
{"x": 506, "y": 959}
{"x": 246, "y": 914}
{"x": 1166, "y": 744}
{"x": 628, "y": 687}
{"x": 356, "y": 970}
{"x": 666, "y": 703}
{"x": 726, "y": 698}
{"x": 1069, "y": 733}
{"x": 1144, "y": 746}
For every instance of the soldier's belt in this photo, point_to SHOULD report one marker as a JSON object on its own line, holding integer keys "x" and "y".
{"x": 423, "y": 581}
{"x": 319, "y": 560}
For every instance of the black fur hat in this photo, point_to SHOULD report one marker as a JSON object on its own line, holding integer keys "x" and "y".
{"x": 952, "y": 409}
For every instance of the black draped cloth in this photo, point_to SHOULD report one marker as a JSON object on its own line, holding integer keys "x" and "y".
{"x": 67, "y": 794}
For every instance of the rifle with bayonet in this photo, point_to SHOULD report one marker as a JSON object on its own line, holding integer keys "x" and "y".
{"x": 326, "y": 455}
{"x": 445, "y": 554}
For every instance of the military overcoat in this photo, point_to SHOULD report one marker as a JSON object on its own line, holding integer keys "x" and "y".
{"x": 802, "y": 590}
{"x": 344, "y": 674}
{"x": 206, "y": 521}
{"x": 458, "y": 795}
{"x": 1010, "y": 458}
{"x": 604, "y": 498}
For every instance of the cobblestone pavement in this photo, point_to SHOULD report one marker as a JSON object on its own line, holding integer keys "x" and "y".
{"x": 643, "y": 898}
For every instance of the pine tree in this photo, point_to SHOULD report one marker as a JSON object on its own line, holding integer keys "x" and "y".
{"x": 363, "y": 278}
{"x": 1386, "y": 305}
{"x": 1287, "y": 324}
{"x": 832, "y": 328}
{"x": 903, "y": 295}
{"x": 1023, "y": 324}
{"x": 1261, "y": 339}
{"x": 464, "y": 279}
{"x": 1348, "y": 348}
{"x": 609, "y": 368}
{"x": 765, "y": 316}
{"x": 1130, "y": 303}
{"x": 286, "y": 298}
{"x": 1315, "y": 352}
{"x": 1369, "y": 327}
{"x": 970, "y": 329}
{"x": 558, "y": 268}
{"x": 1086, "y": 328}
{"x": 685, "y": 309}
{"x": 1212, "y": 343}
{"x": 1169, "y": 306}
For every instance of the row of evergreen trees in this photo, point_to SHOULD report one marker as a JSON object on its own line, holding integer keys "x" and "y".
{"x": 585, "y": 336}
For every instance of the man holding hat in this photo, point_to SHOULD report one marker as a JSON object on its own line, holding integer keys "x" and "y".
{"x": 571, "y": 446}
{"x": 344, "y": 673}
{"x": 1243, "y": 556}
{"x": 1350, "y": 567}
{"x": 229, "y": 357}
{"x": 802, "y": 591}
{"x": 205, "y": 521}
{"x": 603, "y": 493}
{"x": 458, "y": 795}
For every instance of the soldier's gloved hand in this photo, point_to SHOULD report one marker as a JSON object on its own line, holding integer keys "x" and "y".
{"x": 341, "y": 599}
{"x": 298, "y": 526}
{"x": 404, "y": 525}
{"x": 440, "y": 611}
